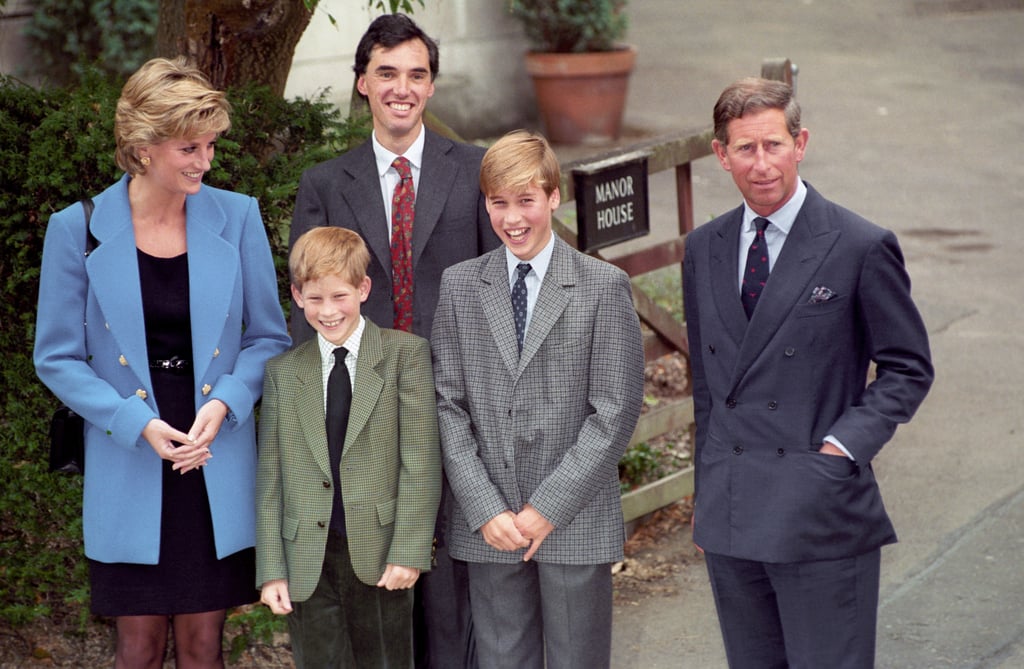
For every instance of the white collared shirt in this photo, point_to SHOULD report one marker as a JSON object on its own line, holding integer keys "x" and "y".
{"x": 538, "y": 268}
{"x": 775, "y": 234}
{"x": 327, "y": 355}
{"x": 389, "y": 175}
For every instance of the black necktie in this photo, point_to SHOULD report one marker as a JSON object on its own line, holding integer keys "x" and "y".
{"x": 519, "y": 302}
{"x": 755, "y": 273}
{"x": 339, "y": 399}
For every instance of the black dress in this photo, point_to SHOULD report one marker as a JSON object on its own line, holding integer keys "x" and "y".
{"x": 189, "y": 578}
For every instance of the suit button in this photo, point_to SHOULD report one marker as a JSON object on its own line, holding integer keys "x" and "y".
{"x": 738, "y": 450}
{"x": 790, "y": 352}
{"x": 321, "y": 523}
{"x": 327, "y": 484}
{"x": 730, "y": 402}
{"x": 780, "y": 452}
{"x": 773, "y": 405}
{"x": 711, "y": 349}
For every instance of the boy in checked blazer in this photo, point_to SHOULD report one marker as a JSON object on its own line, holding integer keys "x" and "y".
{"x": 346, "y": 512}
{"x": 539, "y": 363}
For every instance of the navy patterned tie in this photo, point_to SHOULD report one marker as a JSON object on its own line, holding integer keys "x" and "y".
{"x": 755, "y": 273}
{"x": 519, "y": 302}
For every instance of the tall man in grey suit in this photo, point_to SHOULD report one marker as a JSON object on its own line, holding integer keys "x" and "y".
{"x": 395, "y": 65}
{"x": 538, "y": 364}
{"x": 789, "y": 299}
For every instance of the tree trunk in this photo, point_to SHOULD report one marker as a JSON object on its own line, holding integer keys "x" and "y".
{"x": 234, "y": 41}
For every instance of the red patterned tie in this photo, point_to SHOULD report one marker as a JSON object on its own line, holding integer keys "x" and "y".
{"x": 402, "y": 207}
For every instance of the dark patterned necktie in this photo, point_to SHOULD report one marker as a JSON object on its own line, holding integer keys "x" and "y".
{"x": 519, "y": 302}
{"x": 402, "y": 207}
{"x": 339, "y": 400}
{"x": 755, "y": 274}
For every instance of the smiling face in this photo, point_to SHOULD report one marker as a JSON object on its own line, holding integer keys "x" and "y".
{"x": 397, "y": 85}
{"x": 762, "y": 157}
{"x": 522, "y": 218}
{"x": 331, "y": 305}
{"x": 178, "y": 165}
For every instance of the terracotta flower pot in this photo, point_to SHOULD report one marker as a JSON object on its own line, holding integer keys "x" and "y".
{"x": 581, "y": 96}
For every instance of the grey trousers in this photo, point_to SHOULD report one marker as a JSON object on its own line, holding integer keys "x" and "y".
{"x": 527, "y": 612}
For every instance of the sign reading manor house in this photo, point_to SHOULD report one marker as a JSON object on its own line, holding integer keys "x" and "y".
{"x": 611, "y": 201}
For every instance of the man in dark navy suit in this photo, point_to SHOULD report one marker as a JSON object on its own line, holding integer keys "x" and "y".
{"x": 789, "y": 299}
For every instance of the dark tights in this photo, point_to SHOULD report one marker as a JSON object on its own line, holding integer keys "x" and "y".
{"x": 142, "y": 640}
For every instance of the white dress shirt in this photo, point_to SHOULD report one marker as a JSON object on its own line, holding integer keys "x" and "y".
{"x": 389, "y": 175}
{"x": 327, "y": 356}
{"x": 538, "y": 268}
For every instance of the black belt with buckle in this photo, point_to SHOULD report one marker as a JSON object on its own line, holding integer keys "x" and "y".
{"x": 174, "y": 364}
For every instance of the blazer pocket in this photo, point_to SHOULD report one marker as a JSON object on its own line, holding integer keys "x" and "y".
{"x": 289, "y": 528}
{"x": 386, "y": 512}
{"x": 832, "y": 466}
{"x": 816, "y": 309}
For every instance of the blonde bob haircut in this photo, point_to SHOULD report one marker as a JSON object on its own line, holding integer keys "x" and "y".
{"x": 517, "y": 161}
{"x": 328, "y": 251}
{"x": 165, "y": 99}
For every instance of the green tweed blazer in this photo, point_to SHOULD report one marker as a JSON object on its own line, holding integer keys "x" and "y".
{"x": 390, "y": 465}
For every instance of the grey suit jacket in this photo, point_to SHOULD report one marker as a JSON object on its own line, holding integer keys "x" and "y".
{"x": 390, "y": 465}
{"x": 548, "y": 427}
{"x": 766, "y": 393}
{"x": 451, "y": 222}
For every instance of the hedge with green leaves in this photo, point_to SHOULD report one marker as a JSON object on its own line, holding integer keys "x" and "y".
{"x": 57, "y": 145}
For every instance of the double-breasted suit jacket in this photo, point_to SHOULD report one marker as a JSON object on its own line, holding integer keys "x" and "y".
{"x": 451, "y": 222}
{"x": 769, "y": 391}
{"x": 547, "y": 427}
{"x": 90, "y": 350}
{"x": 390, "y": 463}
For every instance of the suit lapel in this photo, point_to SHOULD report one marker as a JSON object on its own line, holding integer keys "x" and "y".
{"x": 363, "y": 194}
{"x": 807, "y": 245}
{"x": 367, "y": 385}
{"x": 496, "y": 299}
{"x": 437, "y": 174}
{"x": 212, "y": 261}
{"x": 725, "y": 275}
{"x": 113, "y": 270}
{"x": 552, "y": 300}
{"x": 309, "y": 404}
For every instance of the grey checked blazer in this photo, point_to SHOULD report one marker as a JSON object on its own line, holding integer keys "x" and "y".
{"x": 548, "y": 427}
{"x": 391, "y": 463}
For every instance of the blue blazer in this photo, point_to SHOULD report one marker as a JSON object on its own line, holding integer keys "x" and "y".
{"x": 768, "y": 391}
{"x": 90, "y": 350}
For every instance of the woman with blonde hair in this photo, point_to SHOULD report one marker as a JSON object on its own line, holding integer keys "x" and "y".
{"x": 158, "y": 338}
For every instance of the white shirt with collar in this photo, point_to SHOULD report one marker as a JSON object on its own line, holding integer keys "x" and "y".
{"x": 389, "y": 175}
{"x": 538, "y": 268}
{"x": 351, "y": 357}
{"x": 775, "y": 234}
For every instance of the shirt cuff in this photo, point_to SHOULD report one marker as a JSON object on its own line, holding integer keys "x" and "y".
{"x": 831, "y": 438}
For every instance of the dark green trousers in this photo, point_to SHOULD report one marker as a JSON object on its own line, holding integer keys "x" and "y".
{"x": 346, "y": 623}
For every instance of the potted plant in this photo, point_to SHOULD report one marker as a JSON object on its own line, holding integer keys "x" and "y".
{"x": 580, "y": 70}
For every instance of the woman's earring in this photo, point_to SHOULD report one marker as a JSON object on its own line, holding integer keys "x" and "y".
{"x": 145, "y": 161}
